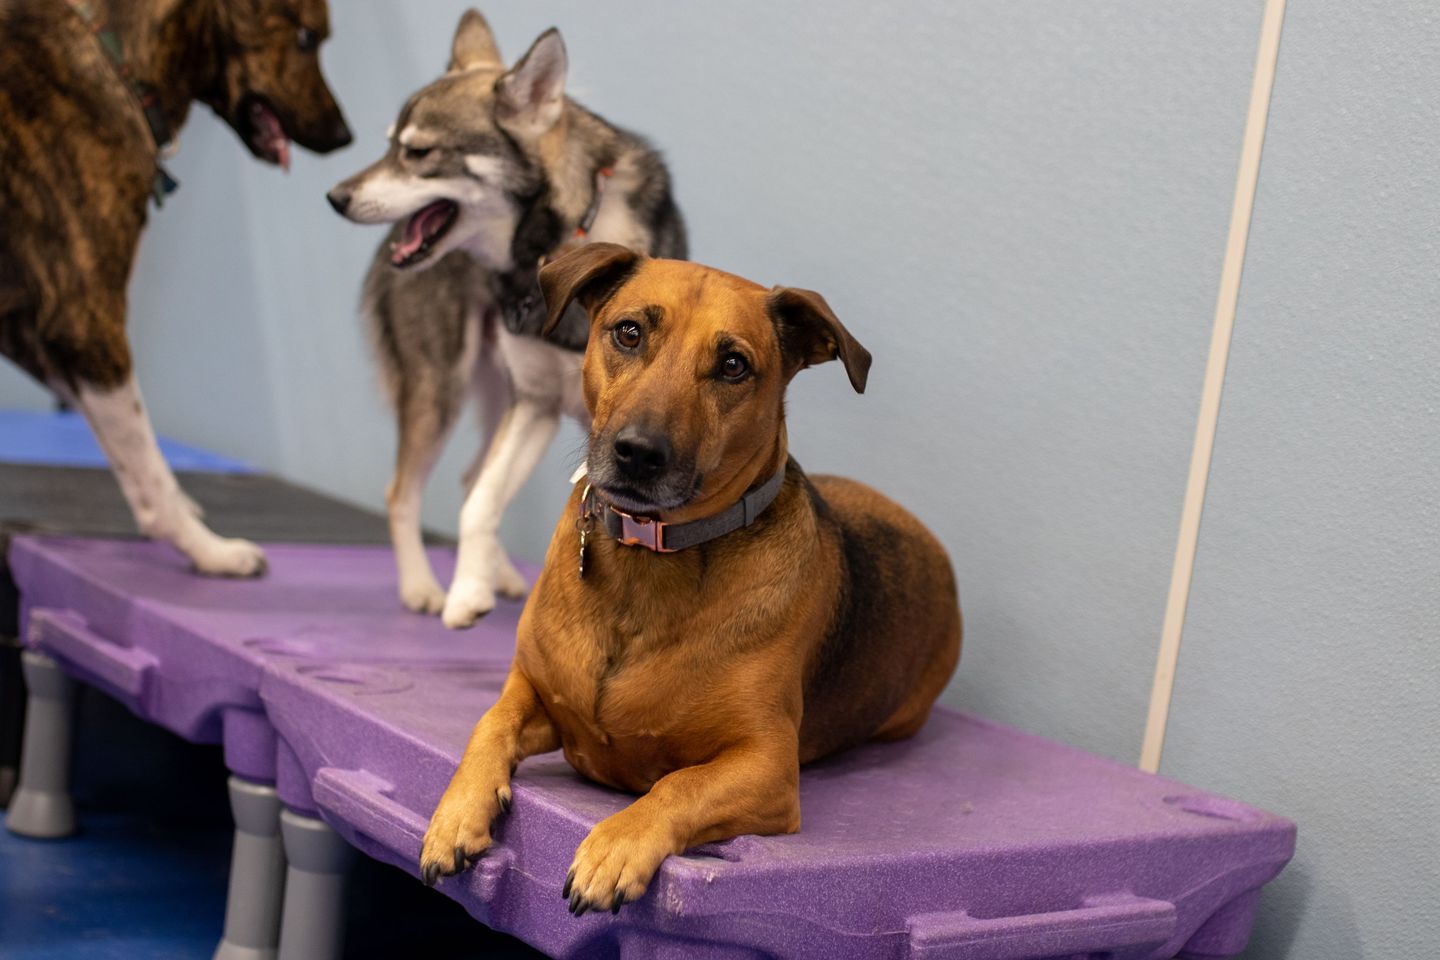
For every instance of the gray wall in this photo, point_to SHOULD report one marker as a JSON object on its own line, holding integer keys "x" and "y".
{"x": 1021, "y": 209}
{"x": 1308, "y": 678}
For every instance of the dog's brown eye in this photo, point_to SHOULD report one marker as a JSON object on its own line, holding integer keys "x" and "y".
{"x": 627, "y": 335}
{"x": 306, "y": 39}
{"x": 417, "y": 153}
{"x": 733, "y": 367}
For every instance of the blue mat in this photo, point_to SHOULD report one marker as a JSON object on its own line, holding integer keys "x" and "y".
{"x": 64, "y": 440}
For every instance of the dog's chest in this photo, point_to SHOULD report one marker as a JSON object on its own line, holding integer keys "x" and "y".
{"x": 620, "y": 703}
{"x": 543, "y": 372}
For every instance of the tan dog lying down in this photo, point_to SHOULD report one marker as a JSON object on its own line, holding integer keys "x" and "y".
{"x": 734, "y": 618}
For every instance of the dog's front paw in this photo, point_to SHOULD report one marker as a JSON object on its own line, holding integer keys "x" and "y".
{"x": 614, "y": 864}
{"x": 221, "y": 557}
{"x": 422, "y": 595}
{"x": 469, "y": 600}
{"x": 459, "y": 831}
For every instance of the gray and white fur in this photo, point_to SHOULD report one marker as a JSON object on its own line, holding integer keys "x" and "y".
{"x": 488, "y": 171}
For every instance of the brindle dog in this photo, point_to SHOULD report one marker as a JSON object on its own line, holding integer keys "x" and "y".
{"x": 704, "y": 677}
{"x": 78, "y": 162}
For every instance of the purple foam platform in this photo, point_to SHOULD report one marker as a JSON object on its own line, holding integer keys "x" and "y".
{"x": 971, "y": 841}
{"x": 188, "y": 652}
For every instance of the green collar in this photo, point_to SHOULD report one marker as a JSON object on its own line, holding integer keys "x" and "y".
{"x": 146, "y": 97}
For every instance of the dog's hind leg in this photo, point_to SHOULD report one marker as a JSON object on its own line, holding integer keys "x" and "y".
{"x": 426, "y": 412}
{"x": 524, "y": 433}
{"x": 121, "y": 425}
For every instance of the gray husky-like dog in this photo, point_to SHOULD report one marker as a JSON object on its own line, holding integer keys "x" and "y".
{"x": 488, "y": 172}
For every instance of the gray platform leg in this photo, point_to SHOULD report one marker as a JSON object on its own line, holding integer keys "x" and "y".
{"x": 12, "y": 706}
{"x": 257, "y": 875}
{"x": 314, "y": 920}
{"x": 41, "y": 806}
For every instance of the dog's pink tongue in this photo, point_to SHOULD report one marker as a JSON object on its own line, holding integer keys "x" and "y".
{"x": 425, "y": 222}
{"x": 272, "y": 135}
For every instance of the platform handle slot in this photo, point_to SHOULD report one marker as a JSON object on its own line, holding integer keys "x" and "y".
{"x": 64, "y": 635}
{"x": 1113, "y": 928}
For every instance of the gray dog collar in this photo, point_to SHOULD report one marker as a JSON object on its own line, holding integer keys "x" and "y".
{"x": 661, "y": 537}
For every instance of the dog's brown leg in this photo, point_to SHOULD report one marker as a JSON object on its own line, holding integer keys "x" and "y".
{"x": 748, "y": 789}
{"x": 516, "y": 727}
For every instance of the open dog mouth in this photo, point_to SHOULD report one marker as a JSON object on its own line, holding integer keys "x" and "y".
{"x": 264, "y": 134}
{"x": 421, "y": 232}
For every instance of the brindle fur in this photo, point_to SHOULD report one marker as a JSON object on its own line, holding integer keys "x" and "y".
{"x": 77, "y": 160}
{"x": 705, "y": 678}
{"x": 77, "y": 164}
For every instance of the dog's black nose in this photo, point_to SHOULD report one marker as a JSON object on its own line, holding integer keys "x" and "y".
{"x": 339, "y": 199}
{"x": 641, "y": 454}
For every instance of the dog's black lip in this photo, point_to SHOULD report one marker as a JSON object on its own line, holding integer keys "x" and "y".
{"x": 628, "y": 499}
{"x": 246, "y": 125}
{"x": 452, "y": 212}
{"x": 634, "y": 501}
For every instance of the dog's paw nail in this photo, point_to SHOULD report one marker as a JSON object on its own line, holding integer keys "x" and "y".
{"x": 430, "y": 873}
{"x": 505, "y": 801}
{"x": 617, "y": 903}
{"x": 569, "y": 882}
{"x": 459, "y": 859}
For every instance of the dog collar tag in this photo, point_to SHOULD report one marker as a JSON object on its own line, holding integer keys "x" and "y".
{"x": 583, "y": 525}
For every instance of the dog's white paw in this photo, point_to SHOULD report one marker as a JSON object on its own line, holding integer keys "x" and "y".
{"x": 422, "y": 595}
{"x": 221, "y": 557}
{"x": 509, "y": 582}
{"x": 469, "y": 600}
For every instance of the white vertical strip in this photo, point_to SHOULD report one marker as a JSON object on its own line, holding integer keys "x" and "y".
{"x": 1245, "y": 181}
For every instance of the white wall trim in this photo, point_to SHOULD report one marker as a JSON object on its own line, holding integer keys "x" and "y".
{"x": 1245, "y": 184}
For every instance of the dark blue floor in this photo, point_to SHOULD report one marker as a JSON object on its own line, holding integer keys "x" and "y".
{"x": 146, "y": 876}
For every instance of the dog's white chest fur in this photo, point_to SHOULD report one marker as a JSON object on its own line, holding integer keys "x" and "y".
{"x": 543, "y": 373}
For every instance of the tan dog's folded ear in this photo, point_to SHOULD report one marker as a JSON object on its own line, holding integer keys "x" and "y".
{"x": 810, "y": 333}
{"x": 589, "y": 273}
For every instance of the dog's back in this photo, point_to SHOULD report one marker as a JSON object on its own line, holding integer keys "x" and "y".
{"x": 895, "y": 638}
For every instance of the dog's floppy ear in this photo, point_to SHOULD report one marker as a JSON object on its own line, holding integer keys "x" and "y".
{"x": 531, "y": 96}
{"x": 810, "y": 333}
{"x": 589, "y": 273}
{"x": 474, "y": 44}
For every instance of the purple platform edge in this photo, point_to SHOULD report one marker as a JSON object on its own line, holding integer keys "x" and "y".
{"x": 972, "y": 841}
